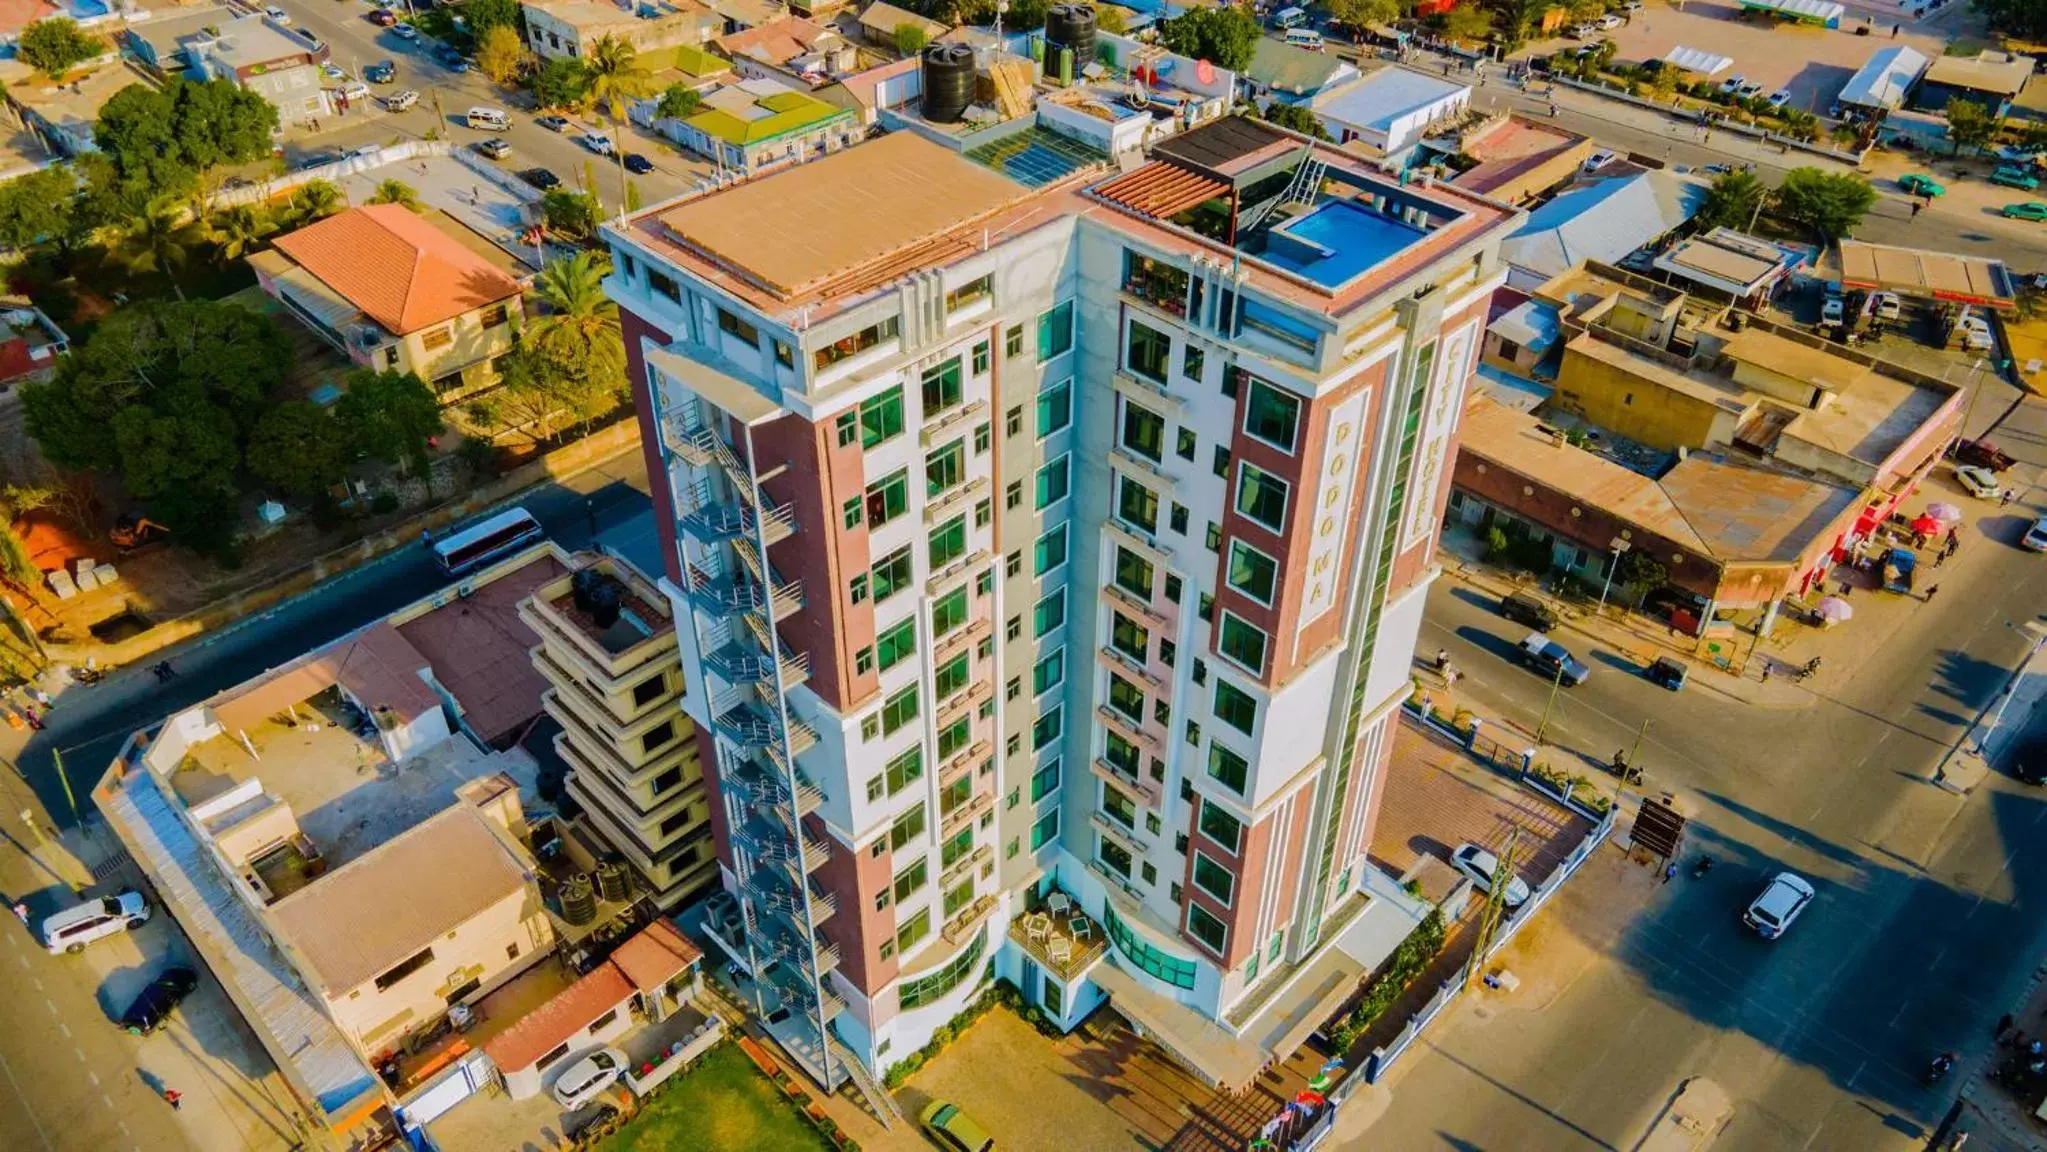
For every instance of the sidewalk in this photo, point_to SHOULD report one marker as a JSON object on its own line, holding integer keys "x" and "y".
{"x": 1994, "y": 1115}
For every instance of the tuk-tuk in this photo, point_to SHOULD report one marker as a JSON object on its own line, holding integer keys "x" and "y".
{"x": 1669, "y": 672}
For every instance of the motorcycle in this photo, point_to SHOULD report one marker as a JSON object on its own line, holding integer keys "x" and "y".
{"x": 1702, "y": 866}
{"x": 1941, "y": 1065}
{"x": 85, "y": 675}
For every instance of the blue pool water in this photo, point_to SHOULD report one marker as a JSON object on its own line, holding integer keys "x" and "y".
{"x": 85, "y": 9}
{"x": 1337, "y": 241}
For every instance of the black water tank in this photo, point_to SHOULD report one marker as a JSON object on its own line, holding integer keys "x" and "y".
{"x": 948, "y": 82}
{"x": 1072, "y": 26}
{"x": 605, "y": 597}
{"x": 580, "y": 585}
{"x": 613, "y": 883}
{"x": 579, "y": 903}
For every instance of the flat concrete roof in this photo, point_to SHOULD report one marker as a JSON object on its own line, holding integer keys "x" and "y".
{"x": 1918, "y": 272}
{"x": 1720, "y": 393}
{"x": 1870, "y": 414}
{"x": 793, "y": 230}
{"x": 1754, "y": 515}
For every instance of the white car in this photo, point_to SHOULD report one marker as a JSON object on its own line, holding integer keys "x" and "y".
{"x": 1584, "y": 31}
{"x": 579, "y": 1083}
{"x": 1980, "y": 482}
{"x": 1482, "y": 866}
{"x": 1749, "y": 90}
{"x": 405, "y": 31}
{"x": 1633, "y": 5}
{"x": 401, "y": 100}
{"x": 1889, "y": 306}
{"x": 1780, "y": 97}
{"x": 1733, "y": 83}
{"x": 277, "y": 14}
{"x": 333, "y": 71}
{"x": 2018, "y": 153}
{"x": 1832, "y": 311}
{"x": 2035, "y": 539}
{"x": 1610, "y": 21}
{"x": 1598, "y": 160}
{"x": 1772, "y": 912}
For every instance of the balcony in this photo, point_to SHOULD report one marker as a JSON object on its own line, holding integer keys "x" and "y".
{"x": 1117, "y": 660}
{"x": 788, "y": 595}
{"x": 954, "y": 499}
{"x": 683, "y": 433}
{"x": 827, "y": 960}
{"x": 1122, "y": 598}
{"x": 1160, "y": 285}
{"x": 954, "y": 640}
{"x": 957, "y": 570}
{"x": 1129, "y": 729}
{"x": 947, "y": 710}
{"x": 1122, "y": 834}
{"x": 1128, "y": 781}
{"x": 966, "y": 813}
{"x": 957, "y": 416}
{"x": 966, "y": 864}
{"x": 711, "y": 518}
{"x": 1060, "y": 937}
{"x": 1124, "y": 458}
{"x": 969, "y": 918}
{"x": 744, "y": 664}
{"x": 950, "y": 768}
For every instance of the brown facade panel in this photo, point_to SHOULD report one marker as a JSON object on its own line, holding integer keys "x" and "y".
{"x": 822, "y": 554}
{"x": 853, "y": 877}
{"x": 1326, "y": 629}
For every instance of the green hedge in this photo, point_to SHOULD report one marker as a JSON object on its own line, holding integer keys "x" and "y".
{"x": 1407, "y": 962}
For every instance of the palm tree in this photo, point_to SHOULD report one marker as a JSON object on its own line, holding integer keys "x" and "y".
{"x": 616, "y": 75}
{"x": 396, "y": 192}
{"x": 159, "y": 241}
{"x": 316, "y": 200}
{"x": 239, "y": 229}
{"x": 579, "y": 314}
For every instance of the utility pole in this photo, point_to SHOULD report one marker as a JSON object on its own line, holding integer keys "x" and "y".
{"x": 1619, "y": 548}
{"x": 1556, "y": 682}
{"x": 1495, "y": 907}
{"x": 63, "y": 778}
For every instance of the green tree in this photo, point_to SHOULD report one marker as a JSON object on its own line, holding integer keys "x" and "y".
{"x": 159, "y": 240}
{"x": 1518, "y": 20}
{"x": 500, "y": 54}
{"x": 569, "y": 213}
{"x": 617, "y": 75}
{"x": 1969, "y": 125}
{"x": 483, "y": 15}
{"x": 181, "y": 458}
{"x": 1110, "y": 18}
{"x": 57, "y": 45}
{"x": 1830, "y": 203}
{"x": 316, "y": 200}
{"x": 388, "y": 416}
{"x": 298, "y": 448}
{"x": 159, "y": 140}
{"x": 37, "y": 206}
{"x": 1468, "y": 22}
{"x": 910, "y": 38}
{"x": 1732, "y": 199}
{"x": 679, "y": 102}
{"x": 580, "y": 324}
{"x": 397, "y": 192}
{"x": 239, "y": 229}
{"x": 2024, "y": 19}
{"x": 1359, "y": 13}
{"x": 1225, "y": 37}
{"x": 561, "y": 82}
{"x": 1296, "y": 117}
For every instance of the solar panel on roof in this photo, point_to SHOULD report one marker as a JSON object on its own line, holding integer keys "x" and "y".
{"x": 1035, "y": 158}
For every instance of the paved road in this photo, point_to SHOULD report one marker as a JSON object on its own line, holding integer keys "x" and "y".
{"x": 1925, "y": 926}
{"x": 356, "y": 42}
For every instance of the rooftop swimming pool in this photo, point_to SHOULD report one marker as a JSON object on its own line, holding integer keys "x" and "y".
{"x": 83, "y": 10}
{"x": 1337, "y": 241}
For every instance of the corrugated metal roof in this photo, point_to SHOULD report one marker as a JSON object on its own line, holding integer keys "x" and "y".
{"x": 1603, "y": 221}
{"x": 209, "y": 909}
{"x": 1698, "y": 60}
{"x": 1883, "y": 81}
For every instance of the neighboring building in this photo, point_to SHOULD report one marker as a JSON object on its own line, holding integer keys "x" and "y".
{"x": 739, "y": 15}
{"x": 1817, "y": 13}
{"x": 1602, "y": 221}
{"x": 63, "y": 115}
{"x": 30, "y": 341}
{"x": 790, "y": 49}
{"x": 1104, "y": 541}
{"x": 1279, "y": 71}
{"x": 1992, "y": 79}
{"x": 1390, "y": 110}
{"x": 608, "y": 651}
{"x": 866, "y": 94}
{"x": 700, "y": 67}
{"x": 280, "y": 64}
{"x": 1884, "y": 81}
{"x": 1734, "y": 265}
{"x": 163, "y": 42}
{"x": 1939, "y": 278}
{"x": 343, "y": 841}
{"x": 395, "y": 293}
{"x": 650, "y": 976}
{"x": 757, "y": 125}
{"x": 879, "y": 21}
{"x": 1744, "y": 463}
{"x": 1516, "y": 158}
{"x": 572, "y": 28}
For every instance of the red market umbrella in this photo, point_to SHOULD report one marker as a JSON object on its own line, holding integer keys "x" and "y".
{"x": 1926, "y": 526}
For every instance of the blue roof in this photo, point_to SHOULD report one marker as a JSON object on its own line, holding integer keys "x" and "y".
{"x": 1603, "y": 221}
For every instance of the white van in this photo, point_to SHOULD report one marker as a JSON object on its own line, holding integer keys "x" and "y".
{"x": 72, "y": 929}
{"x": 488, "y": 119}
{"x": 1305, "y": 38}
{"x": 599, "y": 141}
{"x": 1287, "y": 18}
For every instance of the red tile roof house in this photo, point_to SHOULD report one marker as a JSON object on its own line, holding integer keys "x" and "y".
{"x": 644, "y": 981}
{"x": 30, "y": 342}
{"x": 395, "y": 293}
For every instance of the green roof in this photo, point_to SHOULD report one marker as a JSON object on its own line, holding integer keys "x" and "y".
{"x": 696, "y": 61}
{"x": 789, "y": 112}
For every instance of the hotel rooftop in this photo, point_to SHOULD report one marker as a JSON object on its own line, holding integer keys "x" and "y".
{"x": 1307, "y": 223}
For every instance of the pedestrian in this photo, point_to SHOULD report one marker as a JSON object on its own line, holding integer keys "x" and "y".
{"x": 21, "y": 911}
{"x": 34, "y": 721}
{"x": 1931, "y": 592}
{"x": 2003, "y": 1026}
{"x": 1894, "y": 30}
{"x": 426, "y": 537}
{"x": 1669, "y": 870}
{"x": 2004, "y": 498}
{"x": 42, "y": 697}
{"x": 1766, "y": 671}
{"x": 174, "y": 1098}
{"x": 1915, "y": 209}
{"x": 1442, "y": 659}
{"x": 1940, "y": 557}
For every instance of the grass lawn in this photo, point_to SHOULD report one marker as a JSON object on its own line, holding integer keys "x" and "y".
{"x": 721, "y": 1105}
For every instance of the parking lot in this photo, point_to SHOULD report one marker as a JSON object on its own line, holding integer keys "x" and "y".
{"x": 1812, "y": 62}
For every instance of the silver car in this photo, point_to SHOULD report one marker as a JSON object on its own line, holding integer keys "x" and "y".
{"x": 1482, "y": 866}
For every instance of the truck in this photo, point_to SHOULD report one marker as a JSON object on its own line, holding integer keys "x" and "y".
{"x": 1898, "y": 570}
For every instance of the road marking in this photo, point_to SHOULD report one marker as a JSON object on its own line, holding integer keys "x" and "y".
{"x": 38, "y": 983}
{"x": 80, "y": 1053}
{"x": 19, "y": 1095}
{"x": 64, "y": 1028}
{"x": 50, "y": 1004}
{"x": 94, "y": 1077}
{"x": 107, "y": 1100}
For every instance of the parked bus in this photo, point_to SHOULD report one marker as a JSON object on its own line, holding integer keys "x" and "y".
{"x": 463, "y": 552}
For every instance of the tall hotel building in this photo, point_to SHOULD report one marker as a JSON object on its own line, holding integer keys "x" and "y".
{"x": 1047, "y": 561}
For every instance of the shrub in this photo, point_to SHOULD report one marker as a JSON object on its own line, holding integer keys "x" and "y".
{"x": 1407, "y": 962}
{"x": 383, "y": 502}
